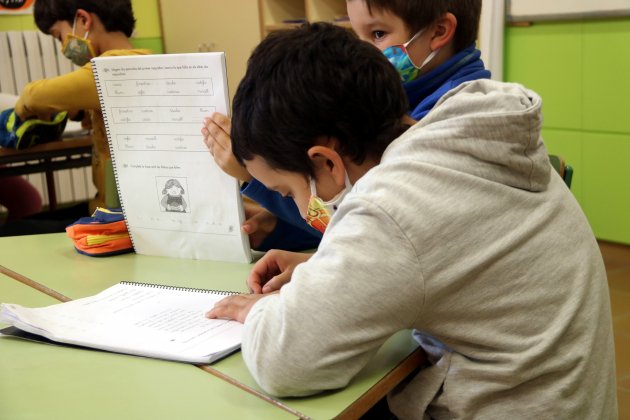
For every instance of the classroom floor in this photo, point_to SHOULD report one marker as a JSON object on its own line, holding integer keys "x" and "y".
{"x": 617, "y": 261}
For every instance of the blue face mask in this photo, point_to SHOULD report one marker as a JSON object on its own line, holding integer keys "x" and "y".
{"x": 399, "y": 57}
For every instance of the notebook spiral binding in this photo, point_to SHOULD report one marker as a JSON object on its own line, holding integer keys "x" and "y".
{"x": 179, "y": 288}
{"x": 110, "y": 143}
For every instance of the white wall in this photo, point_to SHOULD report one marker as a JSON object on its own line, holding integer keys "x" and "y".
{"x": 491, "y": 36}
{"x": 533, "y": 10}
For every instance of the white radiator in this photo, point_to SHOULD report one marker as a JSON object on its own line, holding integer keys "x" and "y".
{"x": 31, "y": 55}
{"x": 72, "y": 185}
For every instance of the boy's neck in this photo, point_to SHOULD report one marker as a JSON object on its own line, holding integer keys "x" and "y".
{"x": 444, "y": 55}
{"x": 114, "y": 41}
{"x": 408, "y": 120}
{"x": 355, "y": 172}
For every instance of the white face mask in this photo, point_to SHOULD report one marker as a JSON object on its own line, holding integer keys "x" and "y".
{"x": 319, "y": 211}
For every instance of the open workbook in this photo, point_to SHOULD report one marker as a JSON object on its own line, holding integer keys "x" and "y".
{"x": 177, "y": 202}
{"x": 142, "y": 319}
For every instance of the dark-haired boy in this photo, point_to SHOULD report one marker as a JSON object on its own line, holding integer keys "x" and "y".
{"x": 438, "y": 43}
{"x": 440, "y": 55}
{"x": 86, "y": 29}
{"x": 456, "y": 228}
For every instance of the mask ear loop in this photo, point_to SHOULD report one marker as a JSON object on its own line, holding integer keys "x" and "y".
{"x": 74, "y": 25}
{"x": 413, "y": 38}
{"x": 426, "y": 60}
{"x": 313, "y": 186}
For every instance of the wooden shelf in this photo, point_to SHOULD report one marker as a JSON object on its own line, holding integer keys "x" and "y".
{"x": 281, "y": 26}
{"x": 275, "y": 14}
{"x": 344, "y": 24}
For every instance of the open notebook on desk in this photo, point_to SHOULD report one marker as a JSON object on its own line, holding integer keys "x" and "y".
{"x": 141, "y": 319}
{"x": 176, "y": 200}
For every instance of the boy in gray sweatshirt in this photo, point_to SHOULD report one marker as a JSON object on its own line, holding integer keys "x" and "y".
{"x": 456, "y": 227}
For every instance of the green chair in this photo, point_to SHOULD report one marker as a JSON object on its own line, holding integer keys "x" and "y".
{"x": 565, "y": 171}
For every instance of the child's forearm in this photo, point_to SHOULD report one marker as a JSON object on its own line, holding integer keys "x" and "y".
{"x": 71, "y": 92}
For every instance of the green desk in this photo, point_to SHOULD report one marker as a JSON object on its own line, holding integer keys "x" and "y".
{"x": 39, "y": 381}
{"x": 49, "y": 261}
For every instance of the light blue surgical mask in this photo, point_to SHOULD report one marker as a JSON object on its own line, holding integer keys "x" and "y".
{"x": 399, "y": 57}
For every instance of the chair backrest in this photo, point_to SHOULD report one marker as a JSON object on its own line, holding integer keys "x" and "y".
{"x": 565, "y": 171}
{"x": 27, "y": 56}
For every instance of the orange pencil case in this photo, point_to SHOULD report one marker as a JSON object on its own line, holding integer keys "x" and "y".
{"x": 102, "y": 235}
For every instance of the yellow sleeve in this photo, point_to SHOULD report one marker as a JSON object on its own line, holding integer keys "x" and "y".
{"x": 70, "y": 92}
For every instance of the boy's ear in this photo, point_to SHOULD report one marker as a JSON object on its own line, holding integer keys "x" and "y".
{"x": 326, "y": 161}
{"x": 443, "y": 31}
{"x": 84, "y": 19}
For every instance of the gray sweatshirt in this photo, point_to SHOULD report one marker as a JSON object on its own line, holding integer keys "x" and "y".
{"x": 464, "y": 233}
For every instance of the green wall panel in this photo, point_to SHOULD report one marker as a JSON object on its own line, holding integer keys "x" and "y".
{"x": 17, "y": 23}
{"x": 147, "y": 18}
{"x": 547, "y": 58}
{"x": 606, "y": 185}
{"x": 146, "y": 13}
{"x": 568, "y": 145}
{"x": 581, "y": 70}
{"x": 607, "y": 76}
{"x": 153, "y": 44}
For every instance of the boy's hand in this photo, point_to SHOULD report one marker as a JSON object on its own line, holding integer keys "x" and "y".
{"x": 234, "y": 307}
{"x": 259, "y": 223}
{"x": 216, "y": 136}
{"x": 274, "y": 270}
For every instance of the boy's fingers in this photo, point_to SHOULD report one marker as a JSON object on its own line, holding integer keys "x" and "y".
{"x": 251, "y": 209}
{"x": 264, "y": 269}
{"x": 223, "y": 139}
{"x": 222, "y": 121}
{"x": 254, "y": 286}
{"x": 225, "y": 308}
{"x": 251, "y": 224}
{"x": 277, "y": 282}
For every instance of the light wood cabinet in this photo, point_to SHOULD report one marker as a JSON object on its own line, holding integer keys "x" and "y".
{"x": 213, "y": 25}
{"x": 285, "y": 14}
{"x": 237, "y": 26}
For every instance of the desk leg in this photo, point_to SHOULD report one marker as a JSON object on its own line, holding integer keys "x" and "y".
{"x": 52, "y": 192}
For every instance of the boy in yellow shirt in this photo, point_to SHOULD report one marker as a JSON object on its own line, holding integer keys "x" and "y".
{"x": 87, "y": 29}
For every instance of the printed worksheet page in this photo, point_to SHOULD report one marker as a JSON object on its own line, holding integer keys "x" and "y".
{"x": 176, "y": 200}
{"x": 136, "y": 318}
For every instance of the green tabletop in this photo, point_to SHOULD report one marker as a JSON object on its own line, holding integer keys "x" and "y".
{"x": 52, "y": 261}
{"x": 40, "y": 381}
{"x": 364, "y": 385}
{"x": 12, "y": 291}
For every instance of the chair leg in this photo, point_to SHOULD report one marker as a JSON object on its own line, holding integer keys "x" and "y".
{"x": 52, "y": 193}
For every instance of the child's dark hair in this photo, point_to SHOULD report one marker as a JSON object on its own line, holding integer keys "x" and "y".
{"x": 116, "y": 15}
{"x": 418, "y": 14}
{"x": 316, "y": 81}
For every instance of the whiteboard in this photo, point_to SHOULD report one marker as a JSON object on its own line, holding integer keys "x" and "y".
{"x": 534, "y": 10}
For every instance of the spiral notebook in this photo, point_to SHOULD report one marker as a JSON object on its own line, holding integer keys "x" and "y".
{"x": 140, "y": 319}
{"x": 177, "y": 202}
